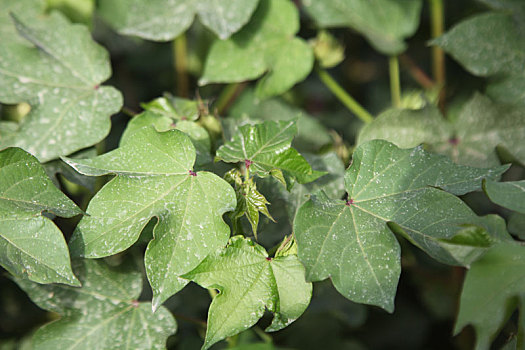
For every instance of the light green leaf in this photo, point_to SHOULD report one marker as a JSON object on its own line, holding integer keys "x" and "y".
{"x": 267, "y": 44}
{"x": 59, "y": 74}
{"x": 264, "y": 148}
{"x": 471, "y": 139}
{"x": 25, "y": 9}
{"x": 173, "y": 113}
{"x": 164, "y": 20}
{"x": 155, "y": 178}
{"x": 351, "y": 242}
{"x": 104, "y": 313}
{"x": 490, "y": 290}
{"x": 509, "y": 89}
{"x": 250, "y": 201}
{"x": 385, "y": 23}
{"x": 507, "y": 194}
{"x": 31, "y": 246}
{"x": 311, "y": 134}
{"x": 275, "y": 284}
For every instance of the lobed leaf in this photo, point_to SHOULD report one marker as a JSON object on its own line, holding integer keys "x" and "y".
{"x": 104, "y": 313}
{"x": 175, "y": 113}
{"x": 162, "y": 21}
{"x": 471, "y": 139}
{"x": 385, "y": 23}
{"x": 155, "y": 178}
{"x": 404, "y": 188}
{"x": 58, "y": 71}
{"x": 266, "y": 45}
{"x": 31, "y": 246}
{"x": 248, "y": 282}
{"x": 265, "y": 150}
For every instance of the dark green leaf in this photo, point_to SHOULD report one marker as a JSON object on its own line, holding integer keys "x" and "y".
{"x": 471, "y": 139}
{"x": 155, "y": 178}
{"x": 266, "y": 45}
{"x": 59, "y": 74}
{"x": 385, "y": 23}
{"x": 31, "y": 246}
{"x": 490, "y": 290}
{"x": 351, "y": 242}
{"x": 275, "y": 284}
{"x": 104, "y": 313}
{"x": 507, "y": 194}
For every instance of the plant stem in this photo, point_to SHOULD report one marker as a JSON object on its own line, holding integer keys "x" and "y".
{"x": 438, "y": 56}
{"x": 181, "y": 65}
{"x": 343, "y": 96}
{"x": 264, "y": 337}
{"x": 226, "y": 97}
{"x": 416, "y": 72}
{"x": 395, "y": 82}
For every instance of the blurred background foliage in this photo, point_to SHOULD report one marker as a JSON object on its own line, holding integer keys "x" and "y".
{"x": 428, "y": 292}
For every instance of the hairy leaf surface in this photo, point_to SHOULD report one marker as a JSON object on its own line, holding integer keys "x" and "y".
{"x": 385, "y": 23}
{"x": 164, "y": 20}
{"x": 31, "y": 246}
{"x": 351, "y": 241}
{"x": 155, "y": 178}
{"x": 250, "y": 282}
{"x": 471, "y": 139}
{"x": 59, "y": 75}
{"x": 103, "y": 313}
{"x": 265, "y": 148}
{"x": 490, "y": 291}
{"x": 492, "y": 45}
{"x": 266, "y": 45}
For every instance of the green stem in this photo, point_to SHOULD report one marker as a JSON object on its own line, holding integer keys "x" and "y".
{"x": 343, "y": 96}
{"x": 438, "y": 56}
{"x": 181, "y": 65}
{"x": 225, "y": 97}
{"x": 264, "y": 337}
{"x": 395, "y": 83}
{"x": 213, "y": 292}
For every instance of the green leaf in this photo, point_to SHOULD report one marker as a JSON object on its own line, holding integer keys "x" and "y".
{"x": 31, "y": 246}
{"x": 486, "y": 44}
{"x": 517, "y": 225}
{"x": 351, "y": 242}
{"x": 174, "y": 113}
{"x": 275, "y": 284}
{"x": 59, "y": 74}
{"x": 155, "y": 178}
{"x": 385, "y": 23}
{"x": 509, "y": 194}
{"x": 311, "y": 134}
{"x": 267, "y": 44}
{"x": 492, "y": 44}
{"x": 250, "y": 201}
{"x": 490, "y": 290}
{"x": 25, "y": 9}
{"x": 408, "y": 128}
{"x": 104, "y": 313}
{"x": 264, "y": 148}
{"x": 162, "y": 21}
{"x": 471, "y": 139}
